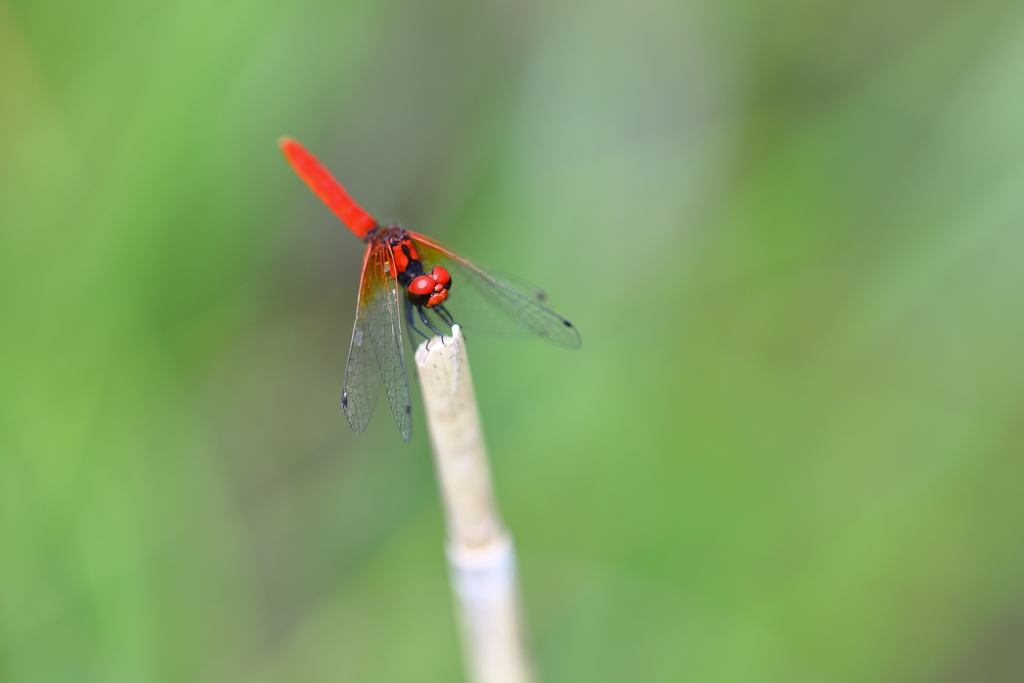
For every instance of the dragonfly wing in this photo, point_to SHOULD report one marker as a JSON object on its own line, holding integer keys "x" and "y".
{"x": 362, "y": 377}
{"x": 517, "y": 305}
{"x": 384, "y": 324}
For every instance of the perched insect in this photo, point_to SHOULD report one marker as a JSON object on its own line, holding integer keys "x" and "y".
{"x": 395, "y": 259}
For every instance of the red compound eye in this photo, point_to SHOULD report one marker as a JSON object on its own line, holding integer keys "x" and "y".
{"x": 441, "y": 276}
{"x": 420, "y": 289}
{"x": 421, "y": 285}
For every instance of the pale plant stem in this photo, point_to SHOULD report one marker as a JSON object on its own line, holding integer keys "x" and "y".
{"x": 481, "y": 556}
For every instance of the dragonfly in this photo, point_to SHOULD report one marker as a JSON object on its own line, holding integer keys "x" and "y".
{"x": 397, "y": 291}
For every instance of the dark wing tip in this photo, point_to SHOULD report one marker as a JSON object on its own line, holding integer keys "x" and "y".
{"x": 570, "y": 338}
{"x": 358, "y": 422}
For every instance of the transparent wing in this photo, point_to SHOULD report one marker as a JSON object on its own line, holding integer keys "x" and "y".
{"x": 494, "y": 301}
{"x": 376, "y": 350}
{"x": 362, "y": 378}
{"x": 385, "y": 326}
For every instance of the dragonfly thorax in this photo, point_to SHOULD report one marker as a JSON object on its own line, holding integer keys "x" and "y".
{"x": 421, "y": 288}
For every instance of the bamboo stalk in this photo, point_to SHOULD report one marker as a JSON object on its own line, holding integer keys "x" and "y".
{"x": 481, "y": 556}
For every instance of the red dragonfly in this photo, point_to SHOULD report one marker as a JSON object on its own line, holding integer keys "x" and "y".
{"x": 398, "y": 258}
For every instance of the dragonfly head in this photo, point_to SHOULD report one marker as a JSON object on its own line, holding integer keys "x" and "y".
{"x": 430, "y": 290}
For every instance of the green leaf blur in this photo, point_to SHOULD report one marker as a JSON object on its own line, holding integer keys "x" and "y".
{"x": 791, "y": 234}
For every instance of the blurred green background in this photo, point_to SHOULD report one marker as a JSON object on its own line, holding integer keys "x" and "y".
{"x": 790, "y": 232}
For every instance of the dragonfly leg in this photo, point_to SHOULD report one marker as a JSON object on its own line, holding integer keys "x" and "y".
{"x": 412, "y": 325}
{"x": 444, "y": 315}
{"x": 423, "y": 319}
